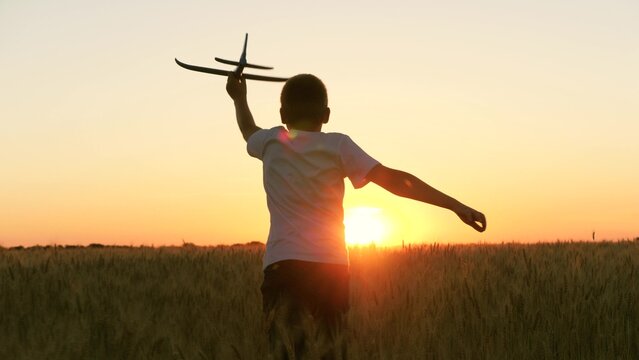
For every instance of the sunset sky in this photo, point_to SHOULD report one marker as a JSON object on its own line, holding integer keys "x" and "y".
{"x": 525, "y": 110}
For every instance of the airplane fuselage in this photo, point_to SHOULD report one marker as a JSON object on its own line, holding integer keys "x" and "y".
{"x": 242, "y": 62}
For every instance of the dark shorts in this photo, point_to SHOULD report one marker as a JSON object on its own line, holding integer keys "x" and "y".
{"x": 295, "y": 292}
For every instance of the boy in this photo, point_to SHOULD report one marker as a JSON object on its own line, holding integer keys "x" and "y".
{"x": 306, "y": 261}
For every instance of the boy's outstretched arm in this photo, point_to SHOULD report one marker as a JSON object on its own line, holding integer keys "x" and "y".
{"x": 409, "y": 186}
{"x": 236, "y": 88}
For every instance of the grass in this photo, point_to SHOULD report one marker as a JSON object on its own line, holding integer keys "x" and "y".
{"x": 541, "y": 301}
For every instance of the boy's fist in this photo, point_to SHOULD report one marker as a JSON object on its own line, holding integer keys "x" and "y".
{"x": 236, "y": 87}
{"x": 471, "y": 217}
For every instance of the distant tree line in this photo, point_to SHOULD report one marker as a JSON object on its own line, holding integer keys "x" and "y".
{"x": 102, "y": 246}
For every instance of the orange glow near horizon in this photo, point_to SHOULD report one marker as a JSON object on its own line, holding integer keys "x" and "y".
{"x": 366, "y": 226}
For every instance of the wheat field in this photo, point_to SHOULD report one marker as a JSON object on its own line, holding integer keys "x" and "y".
{"x": 568, "y": 300}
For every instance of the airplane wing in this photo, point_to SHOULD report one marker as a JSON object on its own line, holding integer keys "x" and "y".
{"x": 263, "y": 78}
{"x": 203, "y": 69}
{"x": 226, "y": 72}
{"x": 248, "y": 65}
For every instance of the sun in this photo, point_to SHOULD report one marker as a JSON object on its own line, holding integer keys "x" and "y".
{"x": 365, "y": 226}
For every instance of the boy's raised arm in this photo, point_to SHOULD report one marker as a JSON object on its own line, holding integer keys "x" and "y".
{"x": 236, "y": 88}
{"x": 409, "y": 186}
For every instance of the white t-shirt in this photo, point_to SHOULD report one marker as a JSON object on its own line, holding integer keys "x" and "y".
{"x": 303, "y": 174}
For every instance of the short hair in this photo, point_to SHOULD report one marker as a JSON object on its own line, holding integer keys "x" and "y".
{"x": 304, "y": 97}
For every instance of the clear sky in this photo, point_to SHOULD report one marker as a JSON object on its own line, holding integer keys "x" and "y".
{"x": 525, "y": 110}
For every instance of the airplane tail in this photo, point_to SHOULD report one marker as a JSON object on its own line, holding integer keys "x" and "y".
{"x": 235, "y": 63}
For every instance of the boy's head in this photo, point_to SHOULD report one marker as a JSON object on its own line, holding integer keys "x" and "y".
{"x": 304, "y": 103}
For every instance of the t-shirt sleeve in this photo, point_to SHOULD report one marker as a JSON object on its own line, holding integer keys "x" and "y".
{"x": 256, "y": 143}
{"x": 356, "y": 162}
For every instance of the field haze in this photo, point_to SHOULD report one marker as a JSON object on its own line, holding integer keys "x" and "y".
{"x": 555, "y": 301}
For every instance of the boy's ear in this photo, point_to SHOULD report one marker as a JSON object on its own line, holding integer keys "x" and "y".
{"x": 283, "y": 115}
{"x": 326, "y": 115}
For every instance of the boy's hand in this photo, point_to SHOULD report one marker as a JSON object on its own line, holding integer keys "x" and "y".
{"x": 236, "y": 87}
{"x": 471, "y": 217}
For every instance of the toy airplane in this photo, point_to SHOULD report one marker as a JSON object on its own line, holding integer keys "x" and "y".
{"x": 238, "y": 70}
